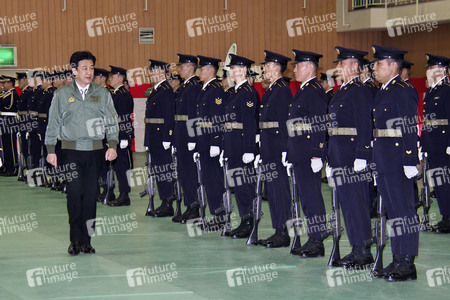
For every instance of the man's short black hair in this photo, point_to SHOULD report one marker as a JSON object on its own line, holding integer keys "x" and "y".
{"x": 79, "y": 56}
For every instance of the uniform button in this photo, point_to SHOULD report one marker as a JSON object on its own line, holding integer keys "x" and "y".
{"x": 289, "y": 114}
{"x": 396, "y": 144}
{"x": 260, "y": 115}
{"x": 299, "y": 106}
{"x": 443, "y": 131}
{"x": 385, "y": 109}
{"x": 290, "y": 105}
{"x": 374, "y": 120}
{"x": 308, "y": 137}
{"x": 340, "y": 105}
{"x": 233, "y": 106}
{"x": 157, "y": 128}
{"x": 332, "y": 105}
{"x": 261, "y": 106}
{"x": 424, "y": 110}
{"x": 435, "y": 104}
{"x": 374, "y": 109}
{"x": 375, "y": 139}
{"x": 276, "y": 132}
{"x": 352, "y": 139}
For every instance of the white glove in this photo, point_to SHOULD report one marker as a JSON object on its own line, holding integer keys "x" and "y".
{"x": 146, "y": 148}
{"x": 316, "y": 164}
{"x": 410, "y": 171}
{"x": 221, "y": 159}
{"x": 328, "y": 170}
{"x": 257, "y": 138}
{"x": 359, "y": 164}
{"x": 194, "y": 156}
{"x": 173, "y": 150}
{"x": 448, "y": 150}
{"x": 257, "y": 161}
{"x": 283, "y": 158}
{"x": 288, "y": 168}
{"x": 420, "y": 153}
{"x": 248, "y": 157}
{"x": 123, "y": 144}
{"x": 214, "y": 151}
{"x": 1, "y": 163}
{"x": 166, "y": 145}
{"x": 191, "y": 146}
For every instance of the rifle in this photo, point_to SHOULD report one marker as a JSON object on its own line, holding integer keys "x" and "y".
{"x": 1, "y": 151}
{"x": 335, "y": 227}
{"x": 201, "y": 192}
{"x": 257, "y": 213}
{"x": 30, "y": 156}
{"x": 295, "y": 212}
{"x": 379, "y": 239}
{"x": 150, "y": 189}
{"x": 110, "y": 184}
{"x": 21, "y": 158}
{"x": 227, "y": 206}
{"x": 42, "y": 160}
{"x": 425, "y": 199}
{"x": 177, "y": 186}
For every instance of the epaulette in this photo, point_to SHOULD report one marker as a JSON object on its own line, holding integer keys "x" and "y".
{"x": 400, "y": 83}
{"x": 356, "y": 83}
{"x": 6, "y": 94}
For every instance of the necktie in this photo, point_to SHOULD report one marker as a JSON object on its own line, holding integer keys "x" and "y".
{"x": 83, "y": 93}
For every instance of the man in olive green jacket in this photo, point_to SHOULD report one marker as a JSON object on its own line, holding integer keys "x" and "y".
{"x": 81, "y": 114}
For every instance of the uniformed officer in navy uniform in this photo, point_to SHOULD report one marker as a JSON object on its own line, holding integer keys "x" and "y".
{"x": 43, "y": 109}
{"x": 174, "y": 81}
{"x": 395, "y": 156}
{"x": 406, "y": 70}
{"x": 124, "y": 105}
{"x": 33, "y": 103}
{"x": 435, "y": 134}
{"x": 159, "y": 125}
{"x": 8, "y": 110}
{"x": 185, "y": 108}
{"x": 22, "y": 112}
{"x": 273, "y": 116}
{"x": 210, "y": 114}
{"x": 349, "y": 116}
{"x": 239, "y": 142}
{"x": 366, "y": 77}
{"x": 306, "y": 147}
{"x": 101, "y": 76}
{"x": 326, "y": 86}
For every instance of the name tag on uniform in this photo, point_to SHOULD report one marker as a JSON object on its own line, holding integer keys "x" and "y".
{"x": 95, "y": 99}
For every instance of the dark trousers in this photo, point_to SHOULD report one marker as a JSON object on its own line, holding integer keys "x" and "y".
{"x": 212, "y": 176}
{"x": 187, "y": 174}
{"x": 122, "y": 164}
{"x": 8, "y": 137}
{"x": 161, "y": 164}
{"x": 439, "y": 178}
{"x": 278, "y": 194}
{"x": 309, "y": 189}
{"x": 398, "y": 197}
{"x": 352, "y": 196}
{"x": 82, "y": 190}
{"x": 244, "y": 190}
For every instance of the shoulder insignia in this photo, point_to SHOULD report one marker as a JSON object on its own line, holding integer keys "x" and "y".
{"x": 250, "y": 104}
{"x": 218, "y": 101}
{"x": 170, "y": 132}
{"x": 408, "y": 151}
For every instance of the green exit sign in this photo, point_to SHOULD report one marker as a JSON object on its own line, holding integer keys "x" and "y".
{"x": 7, "y": 56}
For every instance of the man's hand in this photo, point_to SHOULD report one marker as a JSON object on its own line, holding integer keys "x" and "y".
{"x": 248, "y": 158}
{"x": 283, "y": 158}
{"x": 166, "y": 145}
{"x": 1, "y": 163}
{"x": 448, "y": 150}
{"x": 316, "y": 164}
{"x": 410, "y": 171}
{"x": 191, "y": 146}
{"x": 214, "y": 151}
{"x": 110, "y": 155}
{"x": 359, "y": 164}
{"x": 51, "y": 159}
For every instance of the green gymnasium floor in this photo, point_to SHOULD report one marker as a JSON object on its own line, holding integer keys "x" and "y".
{"x": 182, "y": 267}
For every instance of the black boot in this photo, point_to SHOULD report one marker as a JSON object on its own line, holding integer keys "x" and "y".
{"x": 244, "y": 229}
{"x": 363, "y": 259}
{"x": 102, "y": 195}
{"x": 192, "y": 212}
{"x": 123, "y": 200}
{"x": 384, "y": 273}
{"x": 279, "y": 239}
{"x": 312, "y": 248}
{"x": 443, "y": 226}
{"x": 403, "y": 270}
{"x": 346, "y": 260}
{"x": 165, "y": 210}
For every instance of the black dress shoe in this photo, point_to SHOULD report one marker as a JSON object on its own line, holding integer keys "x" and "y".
{"x": 165, "y": 210}
{"x": 102, "y": 195}
{"x": 279, "y": 239}
{"x": 384, "y": 273}
{"x": 123, "y": 200}
{"x": 245, "y": 229}
{"x": 403, "y": 270}
{"x": 88, "y": 249}
{"x": 346, "y": 260}
{"x": 443, "y": 226}
{"x": 312, "y": 248}
{"x": 192, "y": 212}
{"x": 9, "y": 173}
{"x": 74, "y": 249}
{"x": 363, "y": 259}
